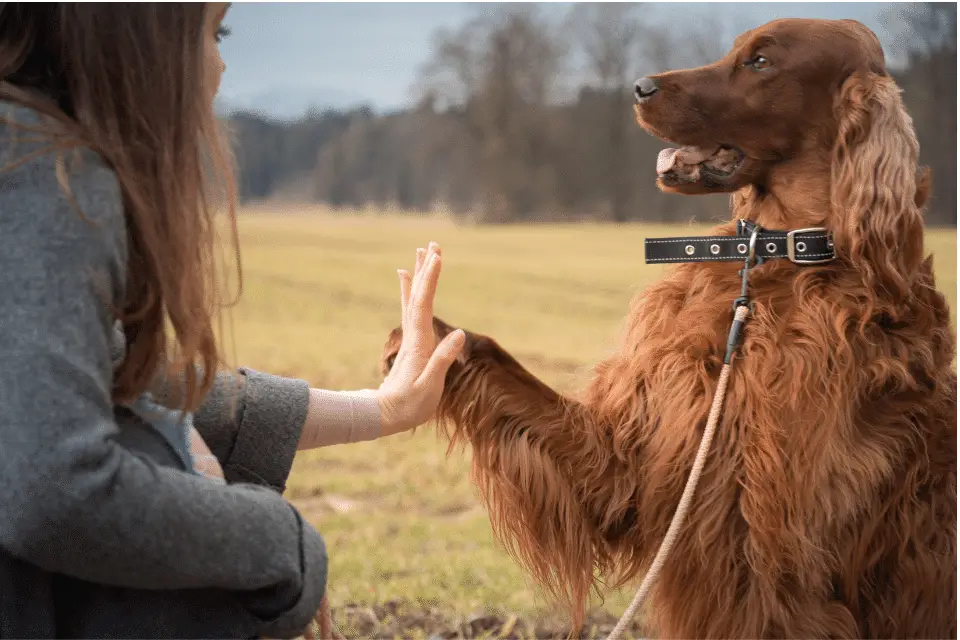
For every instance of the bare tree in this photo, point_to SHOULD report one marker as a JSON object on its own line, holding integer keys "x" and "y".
{"x": 502, "y": 71}
{"x": 450, "y": 75}
{"x": 927, "y": 38}
{"x": 610, "y": 35}
{"x": 694, "y": 42}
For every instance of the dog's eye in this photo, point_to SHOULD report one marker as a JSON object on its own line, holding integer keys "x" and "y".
{"x": 758, "y": 63}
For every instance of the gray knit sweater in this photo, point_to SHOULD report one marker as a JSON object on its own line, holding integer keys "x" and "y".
{"x": 103, "y": 530}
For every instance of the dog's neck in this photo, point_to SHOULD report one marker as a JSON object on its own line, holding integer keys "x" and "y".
{"x": 795, "y": 194}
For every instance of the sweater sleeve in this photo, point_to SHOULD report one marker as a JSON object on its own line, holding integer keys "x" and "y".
{"x": 76, "y": 502}
{"x": 254, "y": 423}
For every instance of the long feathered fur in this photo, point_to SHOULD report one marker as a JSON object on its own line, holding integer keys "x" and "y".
{"x": 827, "y": 507}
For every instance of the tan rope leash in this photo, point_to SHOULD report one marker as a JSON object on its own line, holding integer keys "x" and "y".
{"x": 741, "y": 309}
{"x": 685, "y": 500}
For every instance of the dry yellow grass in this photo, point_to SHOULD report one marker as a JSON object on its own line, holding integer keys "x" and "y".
{"x": 400, "y": 517}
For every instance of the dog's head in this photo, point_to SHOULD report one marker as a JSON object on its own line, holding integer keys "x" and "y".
{"x": 771, "y": 99}
{"x": 804, "y": 111}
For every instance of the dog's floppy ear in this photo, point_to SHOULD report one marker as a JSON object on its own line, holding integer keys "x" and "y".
{"x": 875, "y": 186}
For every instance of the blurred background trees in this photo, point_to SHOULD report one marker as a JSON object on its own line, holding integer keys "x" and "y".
{"x": 521, "y": 118}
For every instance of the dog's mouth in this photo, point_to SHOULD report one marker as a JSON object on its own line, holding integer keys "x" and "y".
{"x": 690, "y": 165}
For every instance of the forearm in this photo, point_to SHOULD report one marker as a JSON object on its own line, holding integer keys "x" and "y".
{"x": 340, "y": 417}
{"x": 252, "y": 408}
{"x": 131, "y": 524}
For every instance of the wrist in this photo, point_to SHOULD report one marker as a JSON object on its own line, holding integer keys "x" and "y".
{"x": 390, "y": 422}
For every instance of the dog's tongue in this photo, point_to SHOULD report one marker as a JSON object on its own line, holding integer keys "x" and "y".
{"x": 686, "y": 156}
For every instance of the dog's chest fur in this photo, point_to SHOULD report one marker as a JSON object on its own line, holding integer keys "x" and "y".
{"x": 806, "y": 468}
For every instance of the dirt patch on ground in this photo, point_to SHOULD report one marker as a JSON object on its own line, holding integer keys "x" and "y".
{"x": 396, "y": 619}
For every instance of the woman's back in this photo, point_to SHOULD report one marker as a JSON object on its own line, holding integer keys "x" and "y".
{"x": 78, "y": 503}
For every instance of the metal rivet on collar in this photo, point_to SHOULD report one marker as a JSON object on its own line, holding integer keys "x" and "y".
{"x": 714, "y": 249}
{"x": 689, "y": 249}
{"x": 742, "y": 248}
{"x": 771, "y": 247}
{"x": 801, "y": 247}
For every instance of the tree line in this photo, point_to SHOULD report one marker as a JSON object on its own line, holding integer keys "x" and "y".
{"x": 521, "y": 118}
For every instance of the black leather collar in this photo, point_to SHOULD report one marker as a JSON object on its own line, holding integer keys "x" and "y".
{"x": 812, "y": 245}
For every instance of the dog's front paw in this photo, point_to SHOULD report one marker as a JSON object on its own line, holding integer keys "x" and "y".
{"x": 390, "y": 349}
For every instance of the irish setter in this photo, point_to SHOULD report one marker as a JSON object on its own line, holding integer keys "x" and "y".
{"x": 827, "y": 507}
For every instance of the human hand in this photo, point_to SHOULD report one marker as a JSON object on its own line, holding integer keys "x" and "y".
{"x": 411, "y": 392}
{"x": 441, "y": 330}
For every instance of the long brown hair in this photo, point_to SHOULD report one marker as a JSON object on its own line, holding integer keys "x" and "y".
{"x": 130, "y": 83}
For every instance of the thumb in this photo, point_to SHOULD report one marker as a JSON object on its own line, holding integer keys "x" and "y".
{"x": 444, "y": 355}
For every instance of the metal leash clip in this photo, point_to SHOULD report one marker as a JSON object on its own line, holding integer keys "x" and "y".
{"x": 736, "y": 329}
{"x": 751, "y": 261}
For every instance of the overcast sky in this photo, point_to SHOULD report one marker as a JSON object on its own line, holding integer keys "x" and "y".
{"x": 284, "y": 57}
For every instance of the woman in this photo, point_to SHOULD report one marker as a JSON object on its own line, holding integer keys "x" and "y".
{"x": 110, "y": 161}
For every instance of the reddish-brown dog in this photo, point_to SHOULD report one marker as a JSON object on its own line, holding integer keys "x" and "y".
{"x": 827, "y": 507}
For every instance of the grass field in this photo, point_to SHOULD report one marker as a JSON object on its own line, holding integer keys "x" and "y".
{"x": 411, "y": 550}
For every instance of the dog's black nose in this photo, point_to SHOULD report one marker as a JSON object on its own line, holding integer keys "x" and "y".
{"x": 644, "y": 88}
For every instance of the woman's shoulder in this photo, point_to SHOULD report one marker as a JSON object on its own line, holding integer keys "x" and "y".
{"x": 37, "y": 166}
{"x": 59, "y": 205}
{"x": 53, "y": 186}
